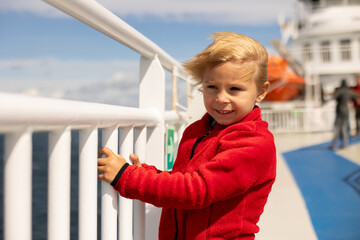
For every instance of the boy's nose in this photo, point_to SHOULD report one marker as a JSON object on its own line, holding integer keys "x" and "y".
{"x": 222, "y": 97}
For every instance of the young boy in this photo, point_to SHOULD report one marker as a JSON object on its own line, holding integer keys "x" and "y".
{"x": 226, "y": 161}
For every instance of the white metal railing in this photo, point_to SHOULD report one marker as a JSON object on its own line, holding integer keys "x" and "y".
{"x": 125, "y": 130}
{"x": 299, "y": 119}
{"x": 303, "y": 119}
{"x": 23, "y": 115}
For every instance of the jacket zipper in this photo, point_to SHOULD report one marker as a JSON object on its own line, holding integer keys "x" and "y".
{"x": 209, "y": 221}
{"x": 176, "y": 225}
{"x": 196, "y": 144}
{"x": 212, "y": 124}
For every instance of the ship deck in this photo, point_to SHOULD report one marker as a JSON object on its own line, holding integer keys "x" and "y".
{"x": 317, "y": 192}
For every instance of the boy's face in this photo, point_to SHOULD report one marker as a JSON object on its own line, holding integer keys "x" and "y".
{"x": 228, "y": 95}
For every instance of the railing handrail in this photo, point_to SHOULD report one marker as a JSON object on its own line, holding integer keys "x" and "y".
{"x": 60, "y": 112}
{"x": 290, "y": 119}
{"x": 98, "y": 17}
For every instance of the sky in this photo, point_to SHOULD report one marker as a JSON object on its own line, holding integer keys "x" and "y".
{"x": 45, "y": 52}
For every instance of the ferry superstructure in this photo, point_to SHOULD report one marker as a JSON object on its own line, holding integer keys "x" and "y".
{"x": 324, "y": 37}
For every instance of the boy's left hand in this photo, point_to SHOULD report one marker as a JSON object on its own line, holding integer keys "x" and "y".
{"x": 110, "y": 165}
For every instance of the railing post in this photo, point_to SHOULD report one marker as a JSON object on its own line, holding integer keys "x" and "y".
{"x": 17, "y": 185}
{"x": 174, "y": 89}
{"x": 189, "y": 87}
{"x": 126, "y": 205}
{"x": 139, "y": 207}
{"x": 88, "y": 183}
{"x": 108, "y": 194}
{"x": 152, "y": 95}
{"x": 59, "y": 184}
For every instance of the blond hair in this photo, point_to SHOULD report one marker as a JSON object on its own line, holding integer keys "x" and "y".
{"x": 229, "y": 46}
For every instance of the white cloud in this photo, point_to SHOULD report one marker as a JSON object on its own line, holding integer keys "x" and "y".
{"x": 31, "y": 92}
{"x": 121, "y": 89}
{"x": 110, "y": 82}
{"x": 215, "y": 11}
{"x": 58, "y": 78}
{"x": 124, "y": 93}
{"x": 66, "y": 70}
{"x": 38, "y": 7}
{"x": 227, "y": 11}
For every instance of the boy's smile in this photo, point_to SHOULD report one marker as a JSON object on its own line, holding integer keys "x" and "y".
{"x": 230, "y": 92}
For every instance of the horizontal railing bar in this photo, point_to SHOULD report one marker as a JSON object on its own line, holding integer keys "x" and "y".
{"x": 175, "y": 117}
{"x": 181, "y": 106}
{"x": 98, "y": 17}
{"x": 20, "y": 110}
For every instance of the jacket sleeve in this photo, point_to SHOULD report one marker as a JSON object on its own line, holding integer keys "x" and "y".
{"x": 243, "y": 160}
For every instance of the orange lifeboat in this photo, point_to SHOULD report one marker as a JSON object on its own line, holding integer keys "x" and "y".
{"x": 285, "y": 84}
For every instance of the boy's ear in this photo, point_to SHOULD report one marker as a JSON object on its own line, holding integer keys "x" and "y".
{"x": 263, "y": 93}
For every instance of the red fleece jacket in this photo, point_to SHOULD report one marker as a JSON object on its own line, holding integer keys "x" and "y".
{"x": 221, "y": 191}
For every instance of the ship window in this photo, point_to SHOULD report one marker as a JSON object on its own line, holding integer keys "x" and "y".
{"x": 345, "y": 50}
{"x": 334, "y": 2}
{"x": 315, "y": 4}
{"x": 354, "y": 2}
{"x": 307, "y": 53}
{"x": 325, "y": 51}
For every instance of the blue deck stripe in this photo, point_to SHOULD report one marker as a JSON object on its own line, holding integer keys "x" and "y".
{"x": 330, "y": 185}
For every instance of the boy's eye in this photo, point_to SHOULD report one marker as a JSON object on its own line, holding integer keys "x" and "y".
{"x": 235, "y": 89}
{"x": 211, "y": 86}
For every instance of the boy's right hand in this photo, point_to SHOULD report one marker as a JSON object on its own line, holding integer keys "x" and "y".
{"x": 109, "y": 165}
